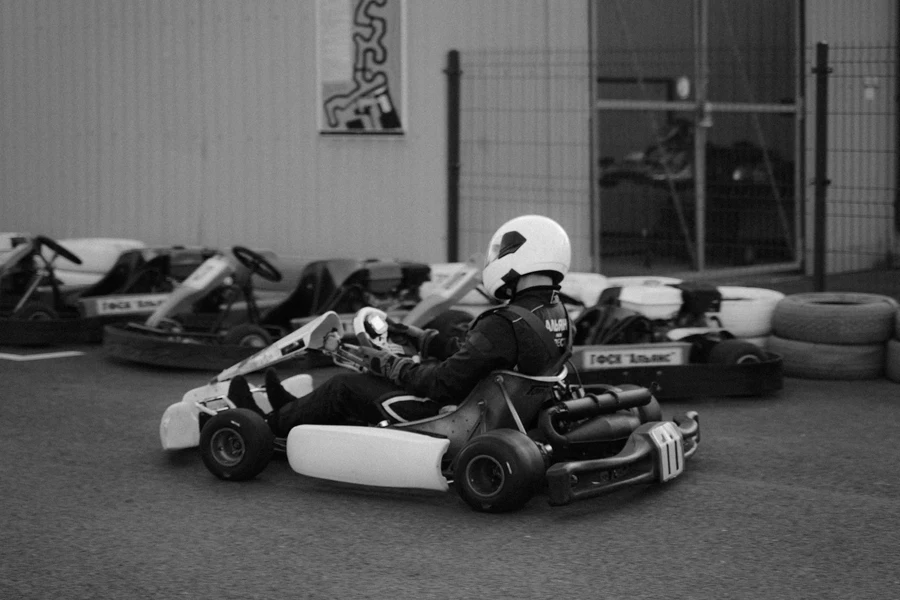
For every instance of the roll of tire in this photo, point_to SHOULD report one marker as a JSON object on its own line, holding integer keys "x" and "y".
{"x": 812, "y": 360}
{"x": 892, "y": 360}
{"x": 835, "y": 318}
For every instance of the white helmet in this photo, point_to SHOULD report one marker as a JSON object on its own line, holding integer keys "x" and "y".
{"x": 526, "y": 244}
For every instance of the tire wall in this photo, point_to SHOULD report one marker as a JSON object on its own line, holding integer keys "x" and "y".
{"x": 837, "y": 335}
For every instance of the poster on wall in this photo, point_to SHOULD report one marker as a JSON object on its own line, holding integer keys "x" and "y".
{"x": 361, "y": 66}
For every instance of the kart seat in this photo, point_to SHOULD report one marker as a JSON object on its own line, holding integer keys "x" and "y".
{"x": 504, "y": 399}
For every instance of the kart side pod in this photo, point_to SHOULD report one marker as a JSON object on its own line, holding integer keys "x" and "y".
{"x": 372, "y": 456}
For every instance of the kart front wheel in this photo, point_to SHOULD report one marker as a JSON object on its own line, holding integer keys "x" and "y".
{"x": 499, "y": 471}
{"x": 236, "y": 444}
{"x": 248, "y": 336}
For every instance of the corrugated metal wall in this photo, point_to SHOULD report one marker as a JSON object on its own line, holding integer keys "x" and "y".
{"x": 172, "y": 122}
{"x": 862, "y": 129}
{"x": 192, "y": 121}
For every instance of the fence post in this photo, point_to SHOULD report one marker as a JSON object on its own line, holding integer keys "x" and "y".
{"x": 453, "y": 166}
{"x": 821, "y": 71}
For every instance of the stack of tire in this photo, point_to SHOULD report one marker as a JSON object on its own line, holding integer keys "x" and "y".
{"x": 837, "y": 335}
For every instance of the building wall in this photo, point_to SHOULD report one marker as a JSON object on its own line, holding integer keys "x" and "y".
{"x": 183, "y": 121}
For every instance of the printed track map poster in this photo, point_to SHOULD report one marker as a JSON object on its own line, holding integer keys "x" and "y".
{"x": 360, "y": 64}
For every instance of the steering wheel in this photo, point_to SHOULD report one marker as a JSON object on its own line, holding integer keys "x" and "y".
{"x": 371, "y": 328}
{"x": 58, "y": 248}
{"x": 256, "y": 263}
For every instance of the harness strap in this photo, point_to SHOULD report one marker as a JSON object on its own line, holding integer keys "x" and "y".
{"x": 535, "y": 323}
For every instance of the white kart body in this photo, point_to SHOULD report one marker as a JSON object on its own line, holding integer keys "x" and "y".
{"x": 212, "y": 272}
{"x": 584, "y": 287}
{"x": 180, "y": 424}
{"x": 373, "y": 456}
{"x": 744, "y": 312}
{"x": 98, "y": 255}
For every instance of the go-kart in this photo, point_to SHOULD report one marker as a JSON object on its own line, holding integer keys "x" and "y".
{"x": 98, "y": 256}
{"x": 172, "y": 338}
{"x": 512, "y": 436}
{"x": 37, "y": 309}
{"x": 681, "y": 338}
{"x": 216, "y": 304}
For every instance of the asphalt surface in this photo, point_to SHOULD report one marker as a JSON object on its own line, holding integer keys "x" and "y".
{"x": 796, "y": 495}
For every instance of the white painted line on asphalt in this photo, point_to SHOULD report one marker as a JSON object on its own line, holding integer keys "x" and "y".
{"x": 44, "y": 356}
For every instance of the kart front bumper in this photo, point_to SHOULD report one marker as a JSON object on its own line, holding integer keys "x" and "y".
{"x": 655, "y": 452}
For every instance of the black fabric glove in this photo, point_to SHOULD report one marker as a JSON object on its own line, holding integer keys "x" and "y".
{"x": 383, "y": 363}
{"x": 412, "y": 336}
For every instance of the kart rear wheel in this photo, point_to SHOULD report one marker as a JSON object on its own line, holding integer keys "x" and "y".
{"x": 736, "y": 352}
{"x": 248, "y": 336}
{"x": 36, "y": 311}
{"x": 499, "y": 471}
{"x": 236, "y": 444}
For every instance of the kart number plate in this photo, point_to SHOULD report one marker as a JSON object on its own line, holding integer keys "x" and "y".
{"x": 669, "y": 449}
{"x": 121, "y": 305}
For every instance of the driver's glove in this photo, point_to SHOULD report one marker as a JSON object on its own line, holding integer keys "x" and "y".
{"x": 384, "y": 363}
{"x": 417, "y": 338}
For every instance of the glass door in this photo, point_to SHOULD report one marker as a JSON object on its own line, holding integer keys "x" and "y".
{"x": 696, "y": 133}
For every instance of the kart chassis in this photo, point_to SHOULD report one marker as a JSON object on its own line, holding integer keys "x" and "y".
{"x": 511, "y": 436}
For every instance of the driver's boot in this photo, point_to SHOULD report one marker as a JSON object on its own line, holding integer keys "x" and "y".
{"x": 239, "y": 393}
{"x": 278, "y": 396}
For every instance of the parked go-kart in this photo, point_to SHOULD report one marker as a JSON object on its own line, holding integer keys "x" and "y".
{"x": 37, "y": 309}
{"x": 28, "y": 289}
{"x": 681, "y": 338}
{"x": 499, "y": 446}
{"x": 175, "y": 337}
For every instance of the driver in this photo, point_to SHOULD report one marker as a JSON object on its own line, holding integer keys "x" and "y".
{"x": 526, "y": 260}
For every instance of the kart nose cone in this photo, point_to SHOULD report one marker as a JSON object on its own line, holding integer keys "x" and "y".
{"x": 180, "y": 427}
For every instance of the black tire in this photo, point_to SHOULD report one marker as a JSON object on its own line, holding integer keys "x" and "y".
{"x": 247, "y": 335}
{"x": 499, "y": 471}
{"x": 809, "y": 360}
{"x": 36, "y": 311}
{"x": 835, "y": 318}
{"x": 892, "y": 361}
{"x": 453, "y": 323}
{"x": 736, "y": 352}
{"x": 236, "y": 445}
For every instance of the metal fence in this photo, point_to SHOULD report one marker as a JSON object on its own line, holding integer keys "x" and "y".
{"x": 526, "y": 144}
{"x": 862, "y": 158}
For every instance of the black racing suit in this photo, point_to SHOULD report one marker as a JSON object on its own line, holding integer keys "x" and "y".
{"x": 498, "y": 339}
